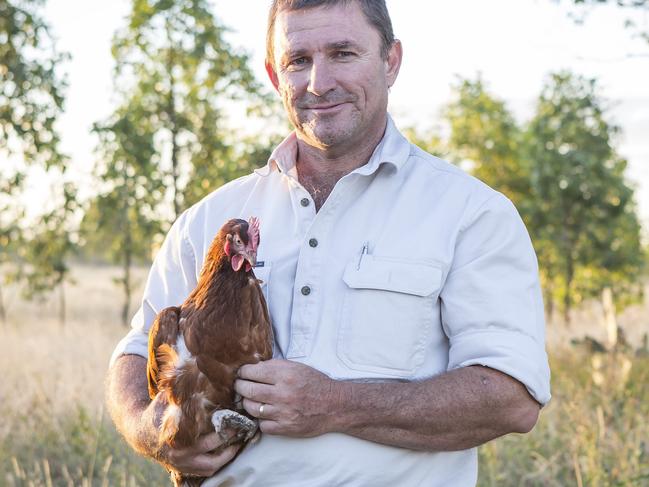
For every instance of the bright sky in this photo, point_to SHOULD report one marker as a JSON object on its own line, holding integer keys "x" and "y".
{"x": 513, "y": 43}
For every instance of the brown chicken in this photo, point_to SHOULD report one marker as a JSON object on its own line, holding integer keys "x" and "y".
{"x": 196, "y": 349}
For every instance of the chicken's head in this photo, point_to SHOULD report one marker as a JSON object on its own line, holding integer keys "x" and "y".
{"x": 241, "y": 242}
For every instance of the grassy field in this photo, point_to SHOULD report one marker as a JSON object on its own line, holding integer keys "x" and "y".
{"x": 54, "y": 430}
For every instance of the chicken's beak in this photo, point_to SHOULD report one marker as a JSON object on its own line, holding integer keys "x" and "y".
{"x": 250, "y": 256}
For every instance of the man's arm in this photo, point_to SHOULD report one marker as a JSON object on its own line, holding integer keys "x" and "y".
{"x": 133, "y": 412}
{"x": 457, "y": 410}
{"x": 453, "y": 411}
{"x": 138, "y": 419}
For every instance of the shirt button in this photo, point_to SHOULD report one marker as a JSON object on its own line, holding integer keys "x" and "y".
{"x": 305, "y": 202}
{"x": 313, "y": 242}
{"x": 306, "y": 290}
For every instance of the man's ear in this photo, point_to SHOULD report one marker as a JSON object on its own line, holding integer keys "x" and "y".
{"x": 393, "y": 62}
{"x": 272, "y": 74}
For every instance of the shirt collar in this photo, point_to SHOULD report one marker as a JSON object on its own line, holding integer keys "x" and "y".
{"x": 393, "y": 149}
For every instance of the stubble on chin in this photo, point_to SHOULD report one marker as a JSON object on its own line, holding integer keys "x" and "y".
{"x": 319, "y": 131}
{"x": 325, "y": 134}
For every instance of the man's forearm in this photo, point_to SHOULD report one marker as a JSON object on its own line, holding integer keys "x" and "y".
{"x": 130, "y": 406}
{"x": 453, "y": 411}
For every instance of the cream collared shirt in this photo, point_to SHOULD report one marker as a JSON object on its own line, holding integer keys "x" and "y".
{"x": 410, "y": 268}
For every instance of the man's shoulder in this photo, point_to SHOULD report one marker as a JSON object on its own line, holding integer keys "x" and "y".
{"x": 224, "y": 197}
{"x": 453, "y": 179}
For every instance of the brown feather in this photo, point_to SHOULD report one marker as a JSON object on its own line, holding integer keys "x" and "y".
{"x": 163, "y": 331}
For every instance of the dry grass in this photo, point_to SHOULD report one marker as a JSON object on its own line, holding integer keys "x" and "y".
{"x": 63, "y": 366}
{"x": 54, "y": 431}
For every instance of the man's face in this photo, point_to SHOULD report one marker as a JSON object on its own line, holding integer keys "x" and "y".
{"x": 330, "y": 74}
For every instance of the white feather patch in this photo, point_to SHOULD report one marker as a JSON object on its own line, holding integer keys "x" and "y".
{"x": 173, "y": 414}
{"x": 205, "y": 402}
{"x": 183, "y": 353}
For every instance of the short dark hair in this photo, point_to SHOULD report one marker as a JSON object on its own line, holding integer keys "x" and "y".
{"x": 376, "y": 13}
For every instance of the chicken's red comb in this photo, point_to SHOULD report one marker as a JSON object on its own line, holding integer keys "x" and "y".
{"x": 253, "y": 232}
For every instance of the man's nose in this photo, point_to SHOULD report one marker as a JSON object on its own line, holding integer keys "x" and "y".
{"x": 321, "y": 80}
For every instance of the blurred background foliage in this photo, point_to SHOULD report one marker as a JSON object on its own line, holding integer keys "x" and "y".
{"x": 168, "y": 143}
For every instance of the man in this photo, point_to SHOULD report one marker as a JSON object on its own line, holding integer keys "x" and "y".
{"x": 404, "y": 293}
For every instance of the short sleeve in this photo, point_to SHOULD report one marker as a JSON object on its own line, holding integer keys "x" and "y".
{"x": 171, "y": 279}
{"x": 492, "y": 309}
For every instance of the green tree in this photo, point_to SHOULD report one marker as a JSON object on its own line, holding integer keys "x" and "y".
{"x": 485, "y": 133}
{"x": 583, "y": 218}
{"x": 31, "y": 99}
{"x": 185, "y": 74}
{"x": 48, "y": 248}
{"x": 168, "y": 140}
{"x": 236, "y": 160}
{"x": 121, "y": 222}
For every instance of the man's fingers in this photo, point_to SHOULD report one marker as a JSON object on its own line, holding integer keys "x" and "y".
{"x": 254, "y": 390}
{"x": 204, "y": 458}
{"x": 259, "y": 372}
{"x": 208, "y": 464}
{"x": 253, "y": 409}
{"x": 270, "y": 427}
{"x": 226, "y": 455}
{"x": 211, "y": 441}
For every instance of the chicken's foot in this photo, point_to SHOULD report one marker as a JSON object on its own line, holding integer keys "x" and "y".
{"x": 226, "y": 418}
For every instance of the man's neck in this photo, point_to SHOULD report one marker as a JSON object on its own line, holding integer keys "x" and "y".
{"x": 320, "y": 169}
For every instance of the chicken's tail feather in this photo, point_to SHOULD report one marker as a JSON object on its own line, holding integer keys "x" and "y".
{"x": 168, "y": 357}
{"x": 163, "y": 330}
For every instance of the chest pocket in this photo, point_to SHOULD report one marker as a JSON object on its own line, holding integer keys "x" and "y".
{"x": 387, "y": 315}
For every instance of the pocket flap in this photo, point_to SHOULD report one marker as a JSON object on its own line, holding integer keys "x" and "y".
{"x": 409, "y": 277}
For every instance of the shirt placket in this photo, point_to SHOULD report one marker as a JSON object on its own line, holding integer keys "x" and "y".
{"x": 305, "y": 214}
{"x": 309, "y": 276}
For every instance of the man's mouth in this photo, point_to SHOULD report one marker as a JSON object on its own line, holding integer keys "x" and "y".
{"x": 324, "y": 108}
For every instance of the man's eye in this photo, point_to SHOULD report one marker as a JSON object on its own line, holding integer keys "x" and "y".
{"x": 344, "y": 54}
{"x": 297, "y": 61}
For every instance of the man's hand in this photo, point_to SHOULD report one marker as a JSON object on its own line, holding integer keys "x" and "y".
{"x": 204, "y": 459}
{"x": 298, "y": 400}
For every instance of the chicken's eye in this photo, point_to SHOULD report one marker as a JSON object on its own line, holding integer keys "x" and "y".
{"x": 237, "y": 240}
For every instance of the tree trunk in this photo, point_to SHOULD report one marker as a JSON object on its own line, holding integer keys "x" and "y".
{"x": 548, "y": 302}
{"x": 174, "y": 156}
{"x": 62, "y": 315}
{"x": 173, "y": 126}
{"x": 610, "y": 320}
{"x": 127, "y": 279}
{"x": 3, "y": 312}
{"x": 567, "y": 298}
